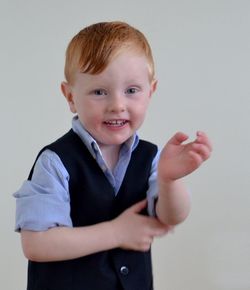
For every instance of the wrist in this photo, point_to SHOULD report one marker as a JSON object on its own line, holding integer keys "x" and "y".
{"x": 168, "y": 184}
{"x": 115, "y": 233}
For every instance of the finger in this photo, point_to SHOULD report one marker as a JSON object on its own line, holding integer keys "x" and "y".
{"x": 145, "y": 246}
{"x": 178, "y": 138}
{"x": 139, "y": 206}
{"x": 202, "y": 150}
{"x": 171, "y": 229}
{"x": 203, "y": 138}
{"x": 157, "y": 228}
{"x": 161, "y": 232}
{"x": 196, "y": 159}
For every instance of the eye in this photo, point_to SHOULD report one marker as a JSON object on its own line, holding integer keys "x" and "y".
{"x": 100, "y": 92}
{"x": 131, "y": 90}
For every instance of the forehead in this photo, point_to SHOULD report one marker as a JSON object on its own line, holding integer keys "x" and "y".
{"x": 124, "y": 66}
{"x": 127, "y": 60}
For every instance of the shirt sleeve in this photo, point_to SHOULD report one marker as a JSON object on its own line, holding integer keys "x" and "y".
{"x": 152, "y": 192}
{"x": 44, "y": 202}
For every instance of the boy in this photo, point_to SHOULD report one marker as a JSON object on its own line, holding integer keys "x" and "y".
{"x": 82, "y": 213}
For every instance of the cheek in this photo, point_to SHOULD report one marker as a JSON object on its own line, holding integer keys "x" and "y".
{"x": 92, "y": 117}
{"x": 141, "y": 108}
{"x": 138, "y": 114}
{"x": 86, "y": 110}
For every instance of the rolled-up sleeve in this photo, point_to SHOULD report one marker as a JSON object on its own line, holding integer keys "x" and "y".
{"x": 44, "y": 202}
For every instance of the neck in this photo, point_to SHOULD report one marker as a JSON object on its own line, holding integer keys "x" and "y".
{"x": 110, "y": 154}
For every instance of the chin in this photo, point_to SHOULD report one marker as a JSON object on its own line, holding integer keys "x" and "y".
{"x": 117, "y": 141}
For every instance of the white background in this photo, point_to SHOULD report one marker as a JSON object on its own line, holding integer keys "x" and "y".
{"x": 202, "y": 55}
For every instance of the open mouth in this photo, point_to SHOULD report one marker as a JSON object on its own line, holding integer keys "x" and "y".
{"x": 116, "y": 123}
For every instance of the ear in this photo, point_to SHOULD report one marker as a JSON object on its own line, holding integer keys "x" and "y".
{"x": 153, "y": 86}
{"x": 67, "y": 92}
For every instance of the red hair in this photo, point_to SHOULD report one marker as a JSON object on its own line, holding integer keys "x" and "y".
{"x": 92, "y": 49}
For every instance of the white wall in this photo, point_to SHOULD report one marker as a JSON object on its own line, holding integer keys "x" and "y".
{"x": 202, "y": 54}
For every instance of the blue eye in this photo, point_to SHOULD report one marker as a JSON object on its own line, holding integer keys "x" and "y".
{"x": 131, "y": 91}
{"x": 100, "y": 92}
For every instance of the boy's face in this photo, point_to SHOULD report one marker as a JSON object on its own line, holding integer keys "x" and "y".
{"x": 112, "y": 105}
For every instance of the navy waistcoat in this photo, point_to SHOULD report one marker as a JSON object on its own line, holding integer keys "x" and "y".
{"x": 92, "y": 201}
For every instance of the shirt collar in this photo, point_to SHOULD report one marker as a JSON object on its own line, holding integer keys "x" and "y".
{"x": 91, "y": 143}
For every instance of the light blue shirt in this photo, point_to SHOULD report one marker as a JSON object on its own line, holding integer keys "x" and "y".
{"x": 44, "y": 201}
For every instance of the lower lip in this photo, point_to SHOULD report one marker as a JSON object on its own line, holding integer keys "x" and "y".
{"x": 116, "y": 128}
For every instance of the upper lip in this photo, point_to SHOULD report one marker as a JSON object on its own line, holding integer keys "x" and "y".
{"x": 119, "y": 120}
{"x": 116, "y": 119}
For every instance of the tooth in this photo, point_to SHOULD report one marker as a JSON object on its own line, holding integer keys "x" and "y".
{"x": 116, "y": 122}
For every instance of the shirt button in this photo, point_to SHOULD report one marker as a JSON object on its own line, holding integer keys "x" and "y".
{"x": 124, "y": 270}
{"x": 95, "y": 146}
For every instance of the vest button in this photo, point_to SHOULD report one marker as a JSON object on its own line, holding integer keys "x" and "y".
{"x": 124, "y": 270}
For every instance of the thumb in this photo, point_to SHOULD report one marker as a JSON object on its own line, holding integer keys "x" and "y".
{"x": 139, "y": 206}
{"x": 178, "y": 138}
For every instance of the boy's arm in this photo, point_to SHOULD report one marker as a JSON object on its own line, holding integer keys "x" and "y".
{"x": 64, "y": 243}
{"x": 130, "y": 230}
{"x": 176, "y": 161}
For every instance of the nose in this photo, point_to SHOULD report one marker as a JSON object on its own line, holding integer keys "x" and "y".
{"x": 117, "y": 103}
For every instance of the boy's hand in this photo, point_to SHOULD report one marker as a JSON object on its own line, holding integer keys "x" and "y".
{"x": 134, "y": 231}
{"x": 178, "y": 160}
